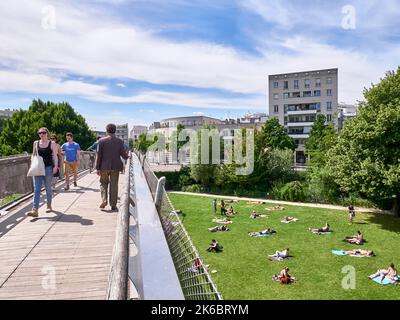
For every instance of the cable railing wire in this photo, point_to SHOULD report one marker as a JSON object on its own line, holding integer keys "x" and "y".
{"x": 195, "y": 279}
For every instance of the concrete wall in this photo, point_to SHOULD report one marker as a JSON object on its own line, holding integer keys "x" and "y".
{"x": 13, "y": 172}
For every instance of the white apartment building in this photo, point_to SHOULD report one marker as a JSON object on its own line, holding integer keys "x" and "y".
{"x": 297, "y": 98}
{"x": 123, "y": 133}
{"x": 137, "y": 131}
{"x": 345, "y": 112}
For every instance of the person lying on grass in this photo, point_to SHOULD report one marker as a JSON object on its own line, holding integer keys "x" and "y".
{"x": 289, "y": 219}
{"x": 325, "y": 228}
{"x": 360, "y": 252}
{"x": 280, "y": 255}
{"x": 255, "y": 215}
{"x": 256, "y": 202}
{"x": 356, "y": 239}
{"x": 224, "y": 221}
{"x": 278, "y": 207}
{"x": 262, "y": 232}
{"x": 284, "y": 277}
{"x": 214, "y": 246}
{"x": 390, "y": 273}
{"x": 218, "y": 228}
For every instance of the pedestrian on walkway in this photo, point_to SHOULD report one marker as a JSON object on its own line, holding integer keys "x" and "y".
{"x": 352, "y": 213}
{"x": 48, "y": 151}
{"x": 56, "y": 175}
{"x": 108, "y": 165}
{"x": 215, "y": 204}
{"x": 71, "y": 161}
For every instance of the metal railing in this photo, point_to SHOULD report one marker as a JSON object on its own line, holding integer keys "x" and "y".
{"x": 196, "y": 281}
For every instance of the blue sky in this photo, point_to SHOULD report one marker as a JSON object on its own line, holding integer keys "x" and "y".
{"x": 140, "y": 61}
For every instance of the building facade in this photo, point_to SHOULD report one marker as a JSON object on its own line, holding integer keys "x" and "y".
{"x": 122, "y": 132}
{"x": 346, "y": 112}
{"x": 297, "y": 98}
{"x": 6, "y": 113}
{"x": 137, "y": 131}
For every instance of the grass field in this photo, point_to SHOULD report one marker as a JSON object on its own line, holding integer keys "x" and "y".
{"x": 243, "y": 271}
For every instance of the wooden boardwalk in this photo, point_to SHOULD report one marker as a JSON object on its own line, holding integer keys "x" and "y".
{"x": 65, "y": 254}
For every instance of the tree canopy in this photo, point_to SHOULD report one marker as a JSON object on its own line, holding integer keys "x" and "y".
{"x": 20, "y": 130}
{"x": 366, "y": 158}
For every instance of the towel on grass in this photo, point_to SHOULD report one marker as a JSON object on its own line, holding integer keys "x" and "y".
{"x": 294, "y": 220}
{"x": 256, "y": 234}
{"x": 385, "y": 280}
{"x": 318, "y": 232}
{"x": 279, "y": 258}
{"x": 221, "y": 221}
{"x": 342, "y": 253}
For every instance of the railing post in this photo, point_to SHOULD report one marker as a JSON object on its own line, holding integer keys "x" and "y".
{"x": 159, "y": 193}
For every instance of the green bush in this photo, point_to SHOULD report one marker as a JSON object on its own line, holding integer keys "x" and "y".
{"x": 293, "y": 191}
{"x": 193, "y": 188}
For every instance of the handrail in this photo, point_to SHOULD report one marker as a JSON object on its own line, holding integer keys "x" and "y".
{"x": 118, "y": 278}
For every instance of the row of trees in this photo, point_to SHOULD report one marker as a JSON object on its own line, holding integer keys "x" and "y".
{"x": 18, "y": 132}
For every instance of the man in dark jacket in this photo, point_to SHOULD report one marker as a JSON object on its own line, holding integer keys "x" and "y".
{"x": 109, "y": 165}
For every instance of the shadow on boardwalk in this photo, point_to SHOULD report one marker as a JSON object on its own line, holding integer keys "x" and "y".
{"x": 69, "y": 218}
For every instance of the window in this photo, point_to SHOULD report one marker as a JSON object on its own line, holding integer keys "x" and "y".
{"x": 329, "y": 80}
{"x": 329, "y": 92}
{"x": 276, "y": 84}
{"x": 317, "y": 93}
{"x": 285, "y": 84}
{"x": 306, "y": 93}
{"x": 328, "y": 117}
{"x": 307, "y": 83}
{"x": 318, "y": 82}
{"x": 296, "y": 95}
{"x": 296, "y": 84}
{"x": 286, "y": 95}
{"x": 276, "y": 96}
{"x": 276, "y": 108}
{"x": 329, "y": 106}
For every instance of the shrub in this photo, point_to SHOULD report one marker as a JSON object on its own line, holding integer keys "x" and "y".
{"x": 193, "y": 188}
{"x": 293, "y": 191}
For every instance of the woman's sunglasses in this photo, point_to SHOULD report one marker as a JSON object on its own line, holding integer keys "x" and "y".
{"x": 42, "y": 132}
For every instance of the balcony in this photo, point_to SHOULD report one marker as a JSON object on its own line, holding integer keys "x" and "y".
{"x": 299, "y": 135}
{"x": 301, "y": 112}
{"x": 300, "y": 124}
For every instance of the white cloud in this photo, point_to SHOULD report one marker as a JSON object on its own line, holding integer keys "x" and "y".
{"x": 121, "y": 85}
{"x": 91, "y": 44}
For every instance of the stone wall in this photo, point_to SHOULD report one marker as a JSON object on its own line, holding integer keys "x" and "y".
{"x": 13, "y": 172}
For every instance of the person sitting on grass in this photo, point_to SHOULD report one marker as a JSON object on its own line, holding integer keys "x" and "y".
{"x": 280, "y": 255}
{"x": 224, "y": 221}
{"x": 390, "y": 273}
{"x": 360, "y": 252}
{"x": 255, "y": 215}
{"x": 230, "y": 211}
{"x": 284, "y": 277}
{"x": 288, "y": 219}
{"x": 356, "y": 239}
{"x": 218, "y": 228}
{"x": 325, "y": 228}
{"x": 264, "y": 232}
{"x": 214, "y": 246}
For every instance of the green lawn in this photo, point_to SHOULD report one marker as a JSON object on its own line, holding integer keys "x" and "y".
{"x": 243, "y": 271}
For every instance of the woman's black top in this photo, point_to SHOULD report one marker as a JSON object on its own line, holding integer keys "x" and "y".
{"x": 46, "y": 154}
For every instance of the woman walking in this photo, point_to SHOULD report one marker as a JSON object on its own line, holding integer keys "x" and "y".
{"x": 48, "y": 151}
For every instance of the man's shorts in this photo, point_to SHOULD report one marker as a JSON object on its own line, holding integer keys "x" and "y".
{"x": 71, "y": 166}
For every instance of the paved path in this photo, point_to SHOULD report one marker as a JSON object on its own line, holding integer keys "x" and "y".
{"x": 65, "y": 254}
{"x": 300, "y": 204}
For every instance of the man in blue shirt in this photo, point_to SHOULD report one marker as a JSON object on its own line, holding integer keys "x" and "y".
{"x": 71, "y": 158}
